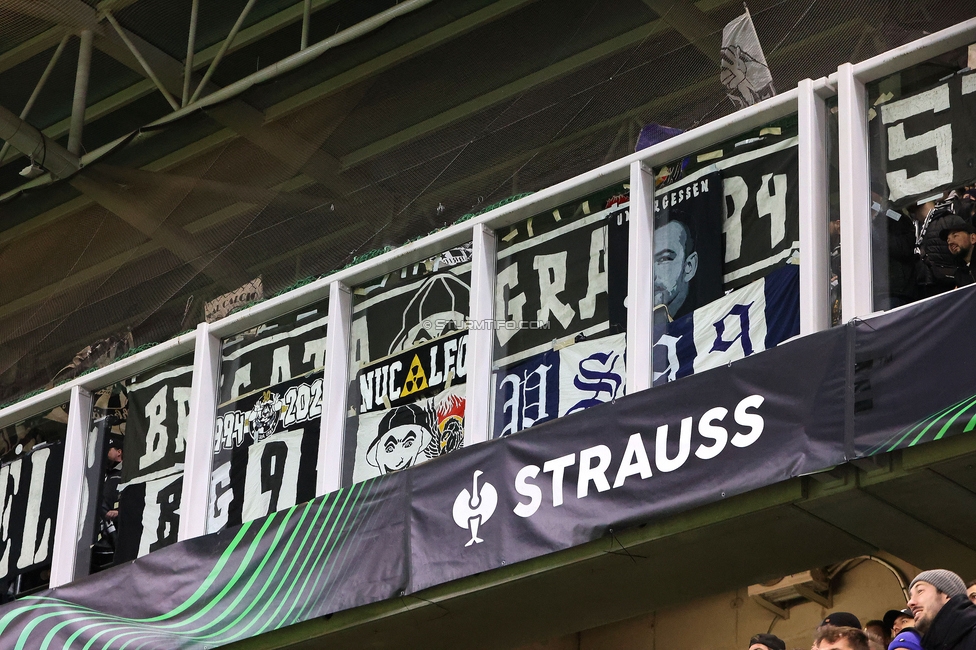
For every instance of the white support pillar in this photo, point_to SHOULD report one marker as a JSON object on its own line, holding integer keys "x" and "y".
{"x": 335, "y": 383}
{"x": 814, "y": 253}
{"x": 68, "y": 549}
{"x": 194, "y": 502}
{"x": 481, "y": 339}
{"x": 857, "y": 283}
{"x": 640, "y": 280}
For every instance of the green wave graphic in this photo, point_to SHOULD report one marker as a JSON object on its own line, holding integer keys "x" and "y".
{"x": 929, "y": 429}
{"x": 264, "y": 564}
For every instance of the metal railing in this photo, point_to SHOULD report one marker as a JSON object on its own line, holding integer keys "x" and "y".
{"x": 807, "y": 101}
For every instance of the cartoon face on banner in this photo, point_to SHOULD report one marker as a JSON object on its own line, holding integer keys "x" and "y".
{"x": 408, "y": 360}
{"x": 560, "y": 275}
{"x": 409, "y": 307}
{"x": 407, "y": 435}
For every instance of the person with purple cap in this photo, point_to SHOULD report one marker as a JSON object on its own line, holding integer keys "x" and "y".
{"x": 907, "y": 639}
{"x": 943, "y": 614}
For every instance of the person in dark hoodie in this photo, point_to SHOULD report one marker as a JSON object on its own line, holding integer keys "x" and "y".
{"x": 943, "y": 614}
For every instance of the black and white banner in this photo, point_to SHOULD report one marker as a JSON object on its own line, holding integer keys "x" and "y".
{"x": 422, "y": 371}
{"x": 561, "y": 281}
{"x": 29, "y": 493}
{"x": 265, "y": 451}
{"x": 267, "y": 429}
{"x": 762, "y": 210}
{"x": 274, "y": 352}
{"x": 409, "y": 307}
{"x": 926, "y": 140}
{"x": 688, "y": 217}
{"x": 408, "y": 360}
{"x": 153, "y": 458}
{"x": 403, "y": 436}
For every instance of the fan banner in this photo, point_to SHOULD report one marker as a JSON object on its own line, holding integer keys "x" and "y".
{"x": 153, "y": 454}
{"x": 754, "y": 318}
{"x": 29, "y": 494}
{"x": 265, "y": 451}
{"x": 557, "y": 383}
{"x": 274, "y": 352}
{"x": 633, "y": 460}
{"x": 925, "y": 141}
{"x": 559, "y": 277}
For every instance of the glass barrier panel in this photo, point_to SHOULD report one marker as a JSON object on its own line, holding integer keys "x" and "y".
{"x": 923, "y": 179}
{"x": 833, "y": 213}
{"x": 726, "y": 252}
{"x": 560, "y": 311}
{"x": 134, "y": 464}
{"x": 408, "y": 366}
{"x": 269, "y": 410}
{"x": 31, "y": 456}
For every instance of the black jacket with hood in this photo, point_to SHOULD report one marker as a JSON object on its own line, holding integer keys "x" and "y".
{"x": 954, "y": 627}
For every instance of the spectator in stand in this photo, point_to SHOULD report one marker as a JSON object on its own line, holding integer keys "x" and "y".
{"x": 898, "y": 619}
{"x": 766, "y": 642}
{"x": 907, "y": 639}
{"x": 878, "y": 630}
{"x": 841, "y": 619}
{"x": 831, "y": 637}
{"x": 971, "y": 590}
{"x": 943, "y": 613}
{"x": 960, "y": 237}
{"x": 937, "y": 266}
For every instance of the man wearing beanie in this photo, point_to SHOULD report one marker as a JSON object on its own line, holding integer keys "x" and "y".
{"x": 943, "y": 614}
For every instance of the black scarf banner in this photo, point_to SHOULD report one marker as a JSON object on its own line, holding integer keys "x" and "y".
{"x": 273, "y": 352}
{"x": 410, "y": 306}
{"x": 265, "y": 451}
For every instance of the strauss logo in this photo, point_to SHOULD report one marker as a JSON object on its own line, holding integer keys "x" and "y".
{"x": 473, "y": 508}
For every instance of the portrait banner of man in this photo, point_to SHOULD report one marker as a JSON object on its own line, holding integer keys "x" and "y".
{"x": 688, "y": 219}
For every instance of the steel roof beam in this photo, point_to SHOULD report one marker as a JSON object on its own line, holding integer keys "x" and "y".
{"x": 31, "y": 142}
{"x": 31, "y": 48}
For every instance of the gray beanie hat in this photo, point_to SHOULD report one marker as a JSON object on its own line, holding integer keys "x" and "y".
{"x": 945, "y": 581}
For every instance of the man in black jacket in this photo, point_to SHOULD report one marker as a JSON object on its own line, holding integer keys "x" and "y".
{"x": 943, "y": 613}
